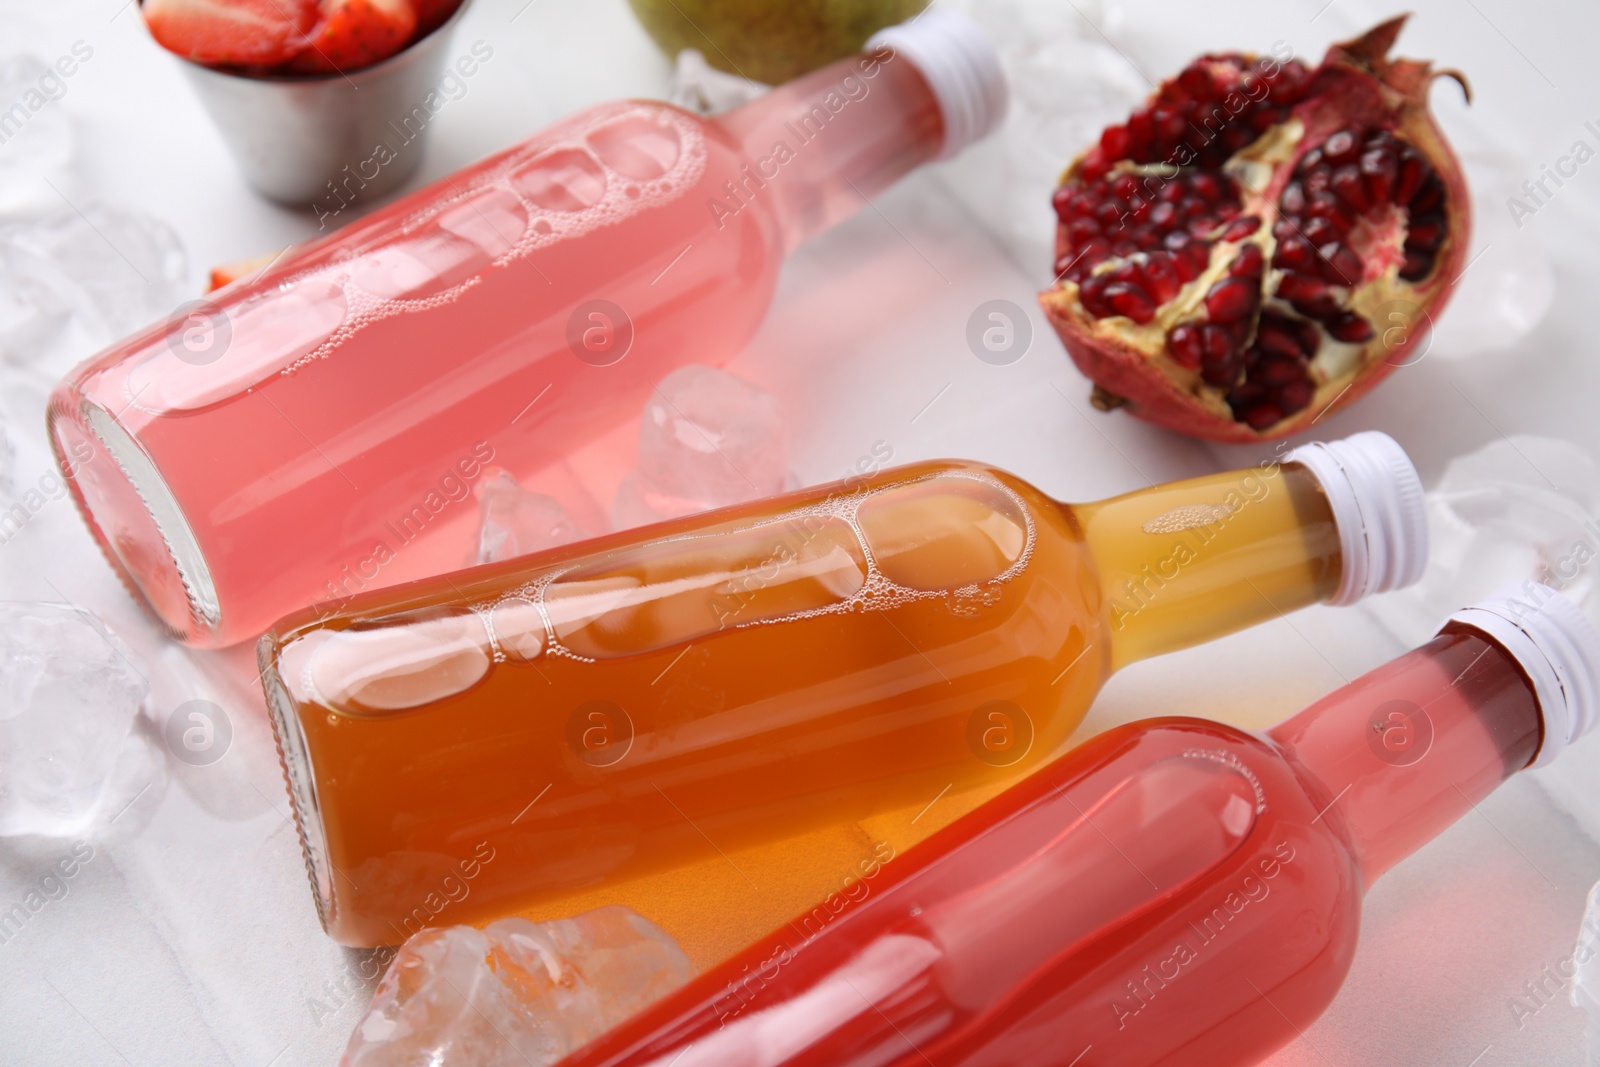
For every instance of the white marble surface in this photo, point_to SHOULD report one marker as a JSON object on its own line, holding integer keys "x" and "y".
{"x": 188, "y": 937}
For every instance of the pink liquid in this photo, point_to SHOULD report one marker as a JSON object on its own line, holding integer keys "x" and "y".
{"x": 318, "y": 430}
{"x": 1174, "y": 892}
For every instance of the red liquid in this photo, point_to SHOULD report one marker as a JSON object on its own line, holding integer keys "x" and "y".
{"x": 1174, "y": 892}
{"x": 316, "y": 432}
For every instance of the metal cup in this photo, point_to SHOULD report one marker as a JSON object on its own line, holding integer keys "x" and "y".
{"x": 301, "y": 139}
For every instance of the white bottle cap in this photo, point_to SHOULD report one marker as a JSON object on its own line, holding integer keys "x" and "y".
{"x": 1377, "y": 503}
{"x": 1556, "y": 647}
{"x": 961, "y": 67}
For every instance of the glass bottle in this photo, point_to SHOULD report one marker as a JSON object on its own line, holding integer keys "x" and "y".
{"x": 315, "y": 429}
{"x": 610, "y": 708}
{"x": 1174, "y": 892}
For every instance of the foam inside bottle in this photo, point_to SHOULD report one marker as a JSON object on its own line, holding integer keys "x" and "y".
{"x": 930, "y": 537}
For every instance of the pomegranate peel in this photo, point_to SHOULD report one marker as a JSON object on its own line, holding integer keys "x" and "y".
{"x": 1261, "y": 240}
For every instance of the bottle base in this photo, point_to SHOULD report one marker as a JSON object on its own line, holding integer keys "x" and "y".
{"x": 135, "y": 518}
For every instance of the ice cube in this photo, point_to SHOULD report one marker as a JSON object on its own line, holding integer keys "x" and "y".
{"x": 1067, "y": 82}
{"x": 698, "y": 86}
{"x": 104, "y": 269}
{"x": 707, "y": 439}
{"x": 72, "y": 690}
{"x": 1586, "y": 985}
{"x": 38, "y": 142}
{"x": 1521, "y": 508}
{"x": 516, "y": 521}
{"x": 516, "y": 993}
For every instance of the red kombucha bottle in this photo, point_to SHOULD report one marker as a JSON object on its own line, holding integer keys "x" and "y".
{"x": 1174, "y": 892}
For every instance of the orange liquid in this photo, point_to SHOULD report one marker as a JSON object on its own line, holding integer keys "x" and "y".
{"x": 604, "y": 710}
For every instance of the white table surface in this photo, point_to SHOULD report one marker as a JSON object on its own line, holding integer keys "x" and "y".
{"x": 189, "y": 937}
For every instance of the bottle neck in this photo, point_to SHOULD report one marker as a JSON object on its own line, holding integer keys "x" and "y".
{"x": 1191, "y": 561}
{"x": 1404, "y": 751}
{"x": 820, "y": 146}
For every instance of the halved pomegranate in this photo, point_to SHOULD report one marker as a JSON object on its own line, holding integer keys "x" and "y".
{"x": 1260, "y": 241}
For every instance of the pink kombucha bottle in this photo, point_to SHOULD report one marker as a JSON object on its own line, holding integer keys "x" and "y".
{"x": 1174, "y": 892}
{"x": 316, "y": 429}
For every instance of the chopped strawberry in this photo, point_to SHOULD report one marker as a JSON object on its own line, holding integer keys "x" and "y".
{"x": 231, "y": 33}
{"x": 352, "y": 34}
{"x": 431, "y": 14}
{"x": 228, "y": 273}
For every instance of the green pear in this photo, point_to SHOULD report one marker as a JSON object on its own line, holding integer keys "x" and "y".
{"x": 769, "y": 41}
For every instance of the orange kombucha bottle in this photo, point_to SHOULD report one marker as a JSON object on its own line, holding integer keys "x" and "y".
{"x": 580, "y": 716}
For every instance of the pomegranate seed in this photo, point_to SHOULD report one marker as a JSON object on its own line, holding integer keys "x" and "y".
{"x": 1295, "y": 253}
{"x": 1061, "y": 200}
{"x": 1114, "y": 142}
{"x": 1349, "y": 186}
{"x": 1379, "y": 168}
{"x": 1294, "y": 396}
{"x": 1263, "y": 119}
{"x": 1206, "y": 186}
{"x": 1430, "y": 198}
{"x": 1216, "y": 345}
{"x": 1319, "y": 231}
{"x": 1197, "y": 254}
{"x": 1350, "y": 328}
{"x": 1124, "y": 247}
{"x": 1325, "y": 205}
{"x": 1286, "y": 227}
{"x": 1281, "y": 370}
{"x": 1092, "y": 295}
{"x": 1341, "y": 147}
{"x": 1294, "y": 287}
{"x": 1246, "y": 394}
{"x": 1163, "y": 215}
{"x": 1080, "y": 231}
{"x": 1183, "y": 344}
{"x": 1241, "y": 228}
{"x": 1196, "y": 81}
{"x": 1230, "y": 300}
{"x": 1170, "y": 126}
{"x": 1176, "y": 240}
{"x": 1248, "y": 263}
{"x": 1172, "y": 193}
{"x": 1109, "y": 215}
{"x": 1223, "y": 373}
{"x": 1340, "y": 266}
{"x": 1310, "y": 337}
{"x": 1130, "y": 300}
{"x": 1161, "y": 276}
{"x": 1141, "y": 129}
{"x": 1426, "y": 233}
{"x": 1414, "y": 170}
{"x": 1318, "y": 179}
{"x": 1276, "y": 339}
{"x": 1202, "y": 225}
{"x": 1293, "y": 201}
{"x": 1418, "y": 264}
{"x": 1094, "y": 165}
{"x": 1261, "y": 416}
{"x": 1125, "y": 187}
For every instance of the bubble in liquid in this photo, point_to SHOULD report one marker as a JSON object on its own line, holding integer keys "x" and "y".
{"x": 461, "y": 243}
{"x": 567, "y": 179}
{"x": 393, "y": 666}
{"x": 943, "y": 533}
{"x": 637, "y": 146}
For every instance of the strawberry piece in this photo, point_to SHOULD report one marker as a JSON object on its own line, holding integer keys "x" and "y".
{"x": 231, "y": 33}
{"x": 352, "y": 34}
{"x": 431, "y": 14}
